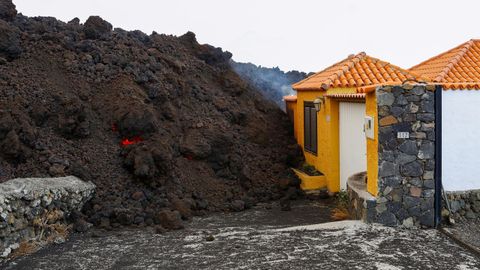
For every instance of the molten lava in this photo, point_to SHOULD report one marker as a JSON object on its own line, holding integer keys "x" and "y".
{"x": 127, "y": 141}
{"x": 134, "y": 140}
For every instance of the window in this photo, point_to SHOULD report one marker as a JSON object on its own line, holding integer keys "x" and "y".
{"x": 310, "y": 127}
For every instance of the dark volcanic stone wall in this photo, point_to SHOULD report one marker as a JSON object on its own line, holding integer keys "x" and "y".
{"x": 406, "y": 185}
{"x": 406, "y": 166}
{"x": 463, "y": 205}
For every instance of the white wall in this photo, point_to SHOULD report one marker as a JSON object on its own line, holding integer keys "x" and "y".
{"x": 461, "y": 139}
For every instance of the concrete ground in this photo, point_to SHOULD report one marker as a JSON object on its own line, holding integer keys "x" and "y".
{"x": 258, "y": 239}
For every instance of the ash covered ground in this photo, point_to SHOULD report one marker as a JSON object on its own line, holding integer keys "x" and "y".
{"x": 259, "y": 238}
{"x": 196, "y": 138}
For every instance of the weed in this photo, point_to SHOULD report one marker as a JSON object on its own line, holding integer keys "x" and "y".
{"x": 342, "y": 199}
{"x": 50, "y": 228}
{"x": 24, "y": 248}
{"x": 340, "y": 212}
{"x": 309, "y": 169}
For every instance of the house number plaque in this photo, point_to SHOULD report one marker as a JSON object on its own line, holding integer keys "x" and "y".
{"x": 403, "y": 135}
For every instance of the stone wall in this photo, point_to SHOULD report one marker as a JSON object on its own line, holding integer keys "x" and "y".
{"x": 36, "y": 208}
{"x": 361, "y": 202}
{"x": 406, "y": 166}
{"x": 463, "y": 205}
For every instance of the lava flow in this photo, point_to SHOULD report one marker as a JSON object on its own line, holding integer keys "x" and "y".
{"x": 134, "y": 140}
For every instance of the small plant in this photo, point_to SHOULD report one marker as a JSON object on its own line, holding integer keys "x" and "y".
{"x": 46, "y": 223}
{"x": 24, "y": 248}
{"x": 310, "y": 169}
{"x": 49, "y": 230}
{"x": 340, "y": 212}
{"x": 342, "y": 199}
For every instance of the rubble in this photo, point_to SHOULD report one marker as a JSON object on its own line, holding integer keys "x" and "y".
{"x": 161, "y": 124}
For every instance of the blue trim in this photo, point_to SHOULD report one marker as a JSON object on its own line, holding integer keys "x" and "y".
{"x": 438, "y": 155}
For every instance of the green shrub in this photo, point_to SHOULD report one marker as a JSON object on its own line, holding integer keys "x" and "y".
{"x": 310, "y": 169}
{"x": 342, "y": 199}
{"x": 340, "y": 212}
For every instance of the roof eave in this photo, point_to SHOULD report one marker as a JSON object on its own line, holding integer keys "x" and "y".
{"x": 308, "y": 88}
{"x": 460, "y": 86}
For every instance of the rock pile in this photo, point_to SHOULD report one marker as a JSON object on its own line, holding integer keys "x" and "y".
{"x": 161, "y": 124}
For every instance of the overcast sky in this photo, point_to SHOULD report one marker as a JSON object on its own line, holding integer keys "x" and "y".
{"x": 305, "y": 35}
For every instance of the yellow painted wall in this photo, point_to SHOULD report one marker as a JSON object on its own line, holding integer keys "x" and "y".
{"x": 310, "y": 182}
{"x": 317, "y": 160}
{"x": 372, "y": 146}
{"x": 333, "y": 158}
{"x": 327, "y": 159}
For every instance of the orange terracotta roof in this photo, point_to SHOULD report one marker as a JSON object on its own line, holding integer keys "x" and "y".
{"x": 458, "y": 68}
{"x": 356, "y": 71}
{"x": 290, "y": 98}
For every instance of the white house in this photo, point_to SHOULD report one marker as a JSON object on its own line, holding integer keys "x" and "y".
{"x": 457, "y": 71}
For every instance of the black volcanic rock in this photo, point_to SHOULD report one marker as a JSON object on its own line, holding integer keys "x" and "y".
{"x": 96, "y": 27}
{"x": 9, "y": 41}
{"x": 131, "y": 112}
{"x": 8, "y": 10}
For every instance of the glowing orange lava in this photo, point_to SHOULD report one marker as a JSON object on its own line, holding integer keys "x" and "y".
{"x": 134, "y": 140}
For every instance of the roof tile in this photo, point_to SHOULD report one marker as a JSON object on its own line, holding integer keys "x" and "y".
{"x": 458, "y": 68}
{"x": 290, "y": 98}
{"x": 356, "y": 71}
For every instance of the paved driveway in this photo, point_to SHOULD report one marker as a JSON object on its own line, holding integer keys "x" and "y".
{"x": 258, "y": 239}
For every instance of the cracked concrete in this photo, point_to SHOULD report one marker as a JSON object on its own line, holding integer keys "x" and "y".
{"x": 258, "y": 239}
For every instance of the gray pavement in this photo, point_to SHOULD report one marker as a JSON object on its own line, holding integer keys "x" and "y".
{"x": 258, "y": 239}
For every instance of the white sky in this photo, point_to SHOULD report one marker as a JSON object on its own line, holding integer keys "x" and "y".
{"x": 305, "y": 35}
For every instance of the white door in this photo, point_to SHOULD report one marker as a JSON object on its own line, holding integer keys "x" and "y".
{"x": 353, "y": 146}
